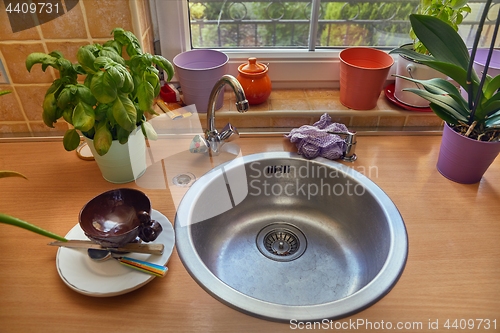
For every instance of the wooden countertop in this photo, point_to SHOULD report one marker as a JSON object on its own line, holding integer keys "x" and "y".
{"x": 453, "y": 268}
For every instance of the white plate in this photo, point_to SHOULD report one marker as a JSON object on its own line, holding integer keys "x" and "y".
{"x": 109, "y": 278}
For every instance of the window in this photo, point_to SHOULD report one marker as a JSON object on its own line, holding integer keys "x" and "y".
{"x": 301, "y": 39}
{"x": 299, "y": 24}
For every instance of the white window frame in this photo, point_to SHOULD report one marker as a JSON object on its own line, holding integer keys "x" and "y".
{"x": 287, "y": 68}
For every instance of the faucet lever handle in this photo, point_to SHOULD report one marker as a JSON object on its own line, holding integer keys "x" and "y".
{"x": 350, "y": 141}
{"x": 229, "y": 133}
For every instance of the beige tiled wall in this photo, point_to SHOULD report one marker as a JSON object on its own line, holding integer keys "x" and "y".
{"x": 90, "y": 21}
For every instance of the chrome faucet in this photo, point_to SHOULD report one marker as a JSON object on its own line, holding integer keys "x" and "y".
{"x": 350, "y": 143}
{"x": 214, "y": 139}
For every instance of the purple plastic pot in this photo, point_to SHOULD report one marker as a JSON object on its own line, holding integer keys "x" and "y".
{"x": 480, "y": 61}
{"x": 465, "y": 160}
{"x": 198, "y": 71}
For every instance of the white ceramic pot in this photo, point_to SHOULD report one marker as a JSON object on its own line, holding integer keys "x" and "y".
{"x": 409, "y": 68}
{"x": 123, "y": 163}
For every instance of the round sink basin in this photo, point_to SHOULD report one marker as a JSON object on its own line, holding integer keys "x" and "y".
{"x": 284, "y": 238}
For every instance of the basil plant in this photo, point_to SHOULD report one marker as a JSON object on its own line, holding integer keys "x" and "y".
{"x": 114, "y": 96}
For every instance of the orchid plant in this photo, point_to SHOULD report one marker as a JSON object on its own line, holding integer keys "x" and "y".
{"x": 477, "y": 117}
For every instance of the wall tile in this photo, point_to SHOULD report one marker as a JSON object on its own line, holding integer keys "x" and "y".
{"x": 323, "y": 93}
{"x": 6, "y": 30}
{"x": 250, "y": 121}
{"x": 68, "y": 48}
{"x": 69, "y": 25}
{"x": 293, "y": 122}
{"x": 326, "y": 104}
{"x": 289, "y": 104}
{"x": 14, "y": 129}
{"x": 392, "y": 121}
{"x": 59, "y": 128}
{"x": 365, "y": 121}
{"x": 105, "y": 15}
{"x": 10, "y": 109}
{"x": 287, "y": 94}
{"x": 424, "y": 120}
{"x": 15, "y": 56}
{"x": 32, "y": 100}
{"x": 259, "y": 107}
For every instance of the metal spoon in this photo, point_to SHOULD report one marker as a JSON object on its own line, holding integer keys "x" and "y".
{"x": 143, "y": 266}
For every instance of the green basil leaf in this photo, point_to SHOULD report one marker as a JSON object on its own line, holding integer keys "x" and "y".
{"x": 86, "y": 58}
{"x": 114, "y": 45}
{"x": 101, "y": 111}
{"x": 71, "y": 139}
{"x": 85, "y": 94}
{"x": 153, "y": 78}
{"x": 65, "y": 97}
{"x": 124, "y": 112}
{"x": 128, "y": 83}
{"x": 149, "y": 131}
{"x": 103, "y": 87}
{"x": 40, "y": 58}
{"x": 145, "y": 95}
{"x": 122, "y": 135}
{"x": 116, "y": 75}
{"x": 165, "y": 65}
{"x": 102, "y": 139}
{"x": 110, "y": 52}
{"x": 83, "y": 117}
{"x": 49, "y": 110}
{"x": 67, "y": 114}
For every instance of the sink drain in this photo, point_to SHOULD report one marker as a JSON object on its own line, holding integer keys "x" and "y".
{"x": 184, "y": 179}
{"x": 281, "y": 241}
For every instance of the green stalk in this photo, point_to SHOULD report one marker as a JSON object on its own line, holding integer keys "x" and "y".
{"x": 4, "y": 218}
{"x": 470, "y": 91}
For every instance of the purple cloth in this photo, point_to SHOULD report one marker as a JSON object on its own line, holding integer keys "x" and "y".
{"x": 313, "y": 141}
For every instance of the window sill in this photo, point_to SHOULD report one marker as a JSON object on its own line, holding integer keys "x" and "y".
{"x": 291, "y": 108}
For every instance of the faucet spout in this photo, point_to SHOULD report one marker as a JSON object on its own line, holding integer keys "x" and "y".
{"x": 214, "y": 139}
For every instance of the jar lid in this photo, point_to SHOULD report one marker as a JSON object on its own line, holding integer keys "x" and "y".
{"x": 252, "y": 67}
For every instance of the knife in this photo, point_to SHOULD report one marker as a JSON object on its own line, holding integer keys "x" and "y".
{"x": 130, "y": 247}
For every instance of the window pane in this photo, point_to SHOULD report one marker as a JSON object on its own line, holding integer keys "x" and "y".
{"x": 364, "y": 23}
{"x": 286, "y": 24}
{"x": 249, "y": 24}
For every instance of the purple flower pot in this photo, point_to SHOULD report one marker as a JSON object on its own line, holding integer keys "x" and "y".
{"x": 465, "y": 160}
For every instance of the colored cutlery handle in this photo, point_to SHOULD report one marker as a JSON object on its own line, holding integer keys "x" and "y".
{"x": 143, "y": 266}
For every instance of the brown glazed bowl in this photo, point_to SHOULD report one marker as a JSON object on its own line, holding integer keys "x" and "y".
{"x": 117, "y": 217}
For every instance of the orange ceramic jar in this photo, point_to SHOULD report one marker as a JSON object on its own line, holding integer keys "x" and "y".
{"x": 255, "y": 81}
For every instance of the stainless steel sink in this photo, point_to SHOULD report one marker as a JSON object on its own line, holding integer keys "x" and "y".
{"x": 283, "y": 238}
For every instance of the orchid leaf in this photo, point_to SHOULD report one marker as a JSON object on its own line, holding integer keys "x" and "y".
{"x": 441, "y": 87}
{"x": 441, "y": 40}
{"x": 492, "y": 87}
{"x": 7, "y": 219}
{"x": 443, "y": 114}
{"x": 493, "y": 121}
{"x": 7, "y": 173}
{"x": 446, "y": 102}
